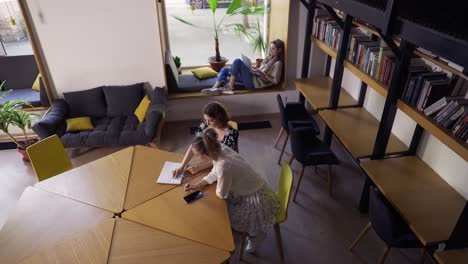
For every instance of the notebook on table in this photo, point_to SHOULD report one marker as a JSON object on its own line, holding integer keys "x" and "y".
{"x": 166, "y": 174}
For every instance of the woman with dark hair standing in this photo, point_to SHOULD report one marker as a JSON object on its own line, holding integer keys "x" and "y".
{"x": 252, "y": 206}
{"x": 217, "y": 117}
{"x": 269, "y": 73}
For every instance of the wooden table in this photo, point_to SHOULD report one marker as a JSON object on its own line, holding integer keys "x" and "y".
{"x": 357, "y": 129}
{"x": 454, "y": 256}
{"x": 429, "y": 205}
{"x": 46, "y": 225}
{"x": 54, "y": 222}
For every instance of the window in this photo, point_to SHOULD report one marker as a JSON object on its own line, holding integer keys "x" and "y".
{"x": 194, "y": 45}
{"x": 13, "y": 36}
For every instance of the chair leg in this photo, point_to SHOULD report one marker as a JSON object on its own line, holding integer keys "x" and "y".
{"x": 298, "y": 183}
{"x": 279, "y": 241}
{"x": 360, "y": 236}
{"x": 423, "y": 255}
{"x": 279, "y": 136}
{"x": 282, "y": 150}
{"x": 242, "y": 245}
{"x": 330, "y": 181}
{"x": 384, "y": 255}
{"x": 291, "y": 160}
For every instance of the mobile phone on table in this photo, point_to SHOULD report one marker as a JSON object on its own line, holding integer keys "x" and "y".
{"x": 193, "y": 196}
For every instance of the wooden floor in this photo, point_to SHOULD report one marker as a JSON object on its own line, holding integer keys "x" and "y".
{"x": 319, "y": 228}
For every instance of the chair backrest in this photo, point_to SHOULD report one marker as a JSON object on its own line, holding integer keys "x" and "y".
{"x": 386, "y": 222}
{"x": 284, "y": 192}
{"x": 49, "y": 158}
{"x": 284, "y": 123}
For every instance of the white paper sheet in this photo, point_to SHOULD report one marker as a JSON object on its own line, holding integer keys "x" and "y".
{"x": 166, "y": 174}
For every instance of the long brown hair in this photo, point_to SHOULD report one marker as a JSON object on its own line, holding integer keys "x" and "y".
{"x": 217, "y": 111}
{"x": 207, "y": 144}
{"x": 279, "y": 44}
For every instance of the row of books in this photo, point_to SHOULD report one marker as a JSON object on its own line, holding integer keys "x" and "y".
{"x": 451, "y": 113}
{"x": 327, "y": 30}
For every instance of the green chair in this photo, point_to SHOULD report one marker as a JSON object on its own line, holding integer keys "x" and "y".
{"x": 283, "y": 194}
{"x": 49, "y": 158}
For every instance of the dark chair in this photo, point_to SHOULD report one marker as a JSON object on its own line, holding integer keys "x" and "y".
{"x": 293, "y": 111}
{"x": 309, "y": 150}
{"x": 389, "y": 226}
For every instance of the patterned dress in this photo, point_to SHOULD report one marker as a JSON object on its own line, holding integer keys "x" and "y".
{"x": 230, "y": 138}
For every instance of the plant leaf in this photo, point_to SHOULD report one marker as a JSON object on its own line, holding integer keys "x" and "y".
{"x": 235, "y": 4}
{"x": 185, "y": 21}
{"x": 213, "y": 5}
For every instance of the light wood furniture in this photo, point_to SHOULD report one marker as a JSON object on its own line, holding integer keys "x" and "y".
{"x": 454, "y": 256}
{"x": 41, "y": 219}
{"x": 145, "y": 169}
{"x": 136, "y": 243}
{"x": 90, "y": 246}
{"x": 101, "y": 183}
{"x": 418, "y": 194}
{"x": 356, "y": 129}
{"x": 317, "y": 92}
{"x": 178, "y": 96}
{"x": 205, "y": 220}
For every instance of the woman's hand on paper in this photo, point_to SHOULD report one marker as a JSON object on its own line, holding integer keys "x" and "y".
{"x": 176, "y": 173}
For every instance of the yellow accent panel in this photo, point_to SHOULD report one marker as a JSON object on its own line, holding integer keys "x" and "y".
{"x": 142, "y": 108}
{"x": 79, "y": 123}
{"x": 204, "y": 73}
{"x": 49, "y": 158}
{"x": 284, "y": 192}
{"x": 37, "y": 84}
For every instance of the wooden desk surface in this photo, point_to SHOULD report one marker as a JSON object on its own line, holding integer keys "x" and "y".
{"x": 205, "y": 220}
{"x": 455, "y": 256}
{"x": 428, "y": 204}
{"x": 136, "y": 243}
{"x": 40, "y": 220}
{"x": 356, "y": 129}
{"x": 101, "y": 183}
{"x": 146, "y": 167}
{"x": 317, "y": 92}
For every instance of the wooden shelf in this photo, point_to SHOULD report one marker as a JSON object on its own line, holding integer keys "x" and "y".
{"x": 429, "y": 205}
{"x": 440, "y": 63}
{"x": 373, "y": 83}
{"x": 317, "y": 92}
{"x": 357, "y": 129}
{"x": 176, "y": 96}
{"x": 444, "y": 135}
{"x": 454, "y": 256}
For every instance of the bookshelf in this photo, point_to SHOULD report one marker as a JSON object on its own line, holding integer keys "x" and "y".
{"x": 355, "y": 128}
{"x": 317, "y": 92}
{"x": 435, "y": 129}
{"x": 419, "y": 194}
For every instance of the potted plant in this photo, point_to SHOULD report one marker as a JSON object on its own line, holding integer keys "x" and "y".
{"x": 177, "y": 63}
{"x": 254, "y": 36}
{"x": 11, "y": 113}
{"x": 217, "y": 62}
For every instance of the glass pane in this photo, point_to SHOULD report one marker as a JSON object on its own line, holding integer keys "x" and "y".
{"x": 13, "y": 37}
{"x": 195, "y": 44}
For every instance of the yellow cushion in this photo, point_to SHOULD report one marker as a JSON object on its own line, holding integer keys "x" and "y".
{"x": 37, "y": 85}
{"x": 142, "y": 108}
{"x": 204, "y": 73}
{"x": 79, "y": 123}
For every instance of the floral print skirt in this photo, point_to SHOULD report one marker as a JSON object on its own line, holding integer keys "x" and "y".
{"x": 253, "y": 213}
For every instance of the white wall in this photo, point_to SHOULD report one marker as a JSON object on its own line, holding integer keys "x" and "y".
{"x": 90, "y": 43}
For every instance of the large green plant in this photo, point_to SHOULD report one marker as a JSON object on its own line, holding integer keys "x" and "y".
{"x": 11, "y": 113}
{"x": 235, "y": 8}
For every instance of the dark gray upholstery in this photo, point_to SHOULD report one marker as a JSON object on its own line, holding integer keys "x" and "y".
{"x": 28, "y": 95}
{"x": 86, "y": 103}
{"x": 123, "y": 100}
{"x": 122, "y": 130}
{"x": 190, "y": 83}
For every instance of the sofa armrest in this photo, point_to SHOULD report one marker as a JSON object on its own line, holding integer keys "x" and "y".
{"x": 52, "y": 121}
{"x": 155, "y": 113}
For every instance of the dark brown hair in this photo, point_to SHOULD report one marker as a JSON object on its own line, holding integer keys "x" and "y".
{"x": 279, "y": 44}
{"x": 207, "y": 144}
{"x": 217, "y": 111}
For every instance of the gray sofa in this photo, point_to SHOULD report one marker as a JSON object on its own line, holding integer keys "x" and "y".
{"x": 20, "y": 72}
{"x": 111, "y": 110}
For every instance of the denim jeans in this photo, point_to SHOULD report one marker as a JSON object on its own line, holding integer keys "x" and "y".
{"x": 240, "y": 70}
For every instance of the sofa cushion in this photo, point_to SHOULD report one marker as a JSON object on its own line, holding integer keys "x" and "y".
{"x": 79, "y": 124}
{"x": 190, "y": 83}
{"x": 123, "y": 100}
{"x": 86, "y": 103}
{"x": 142, "y": 108}
{"x": 28, "y": 95}
{"x": 204, "y": 73}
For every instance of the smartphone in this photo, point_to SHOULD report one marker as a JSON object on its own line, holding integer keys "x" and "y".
{"x": 193, "y": 196}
